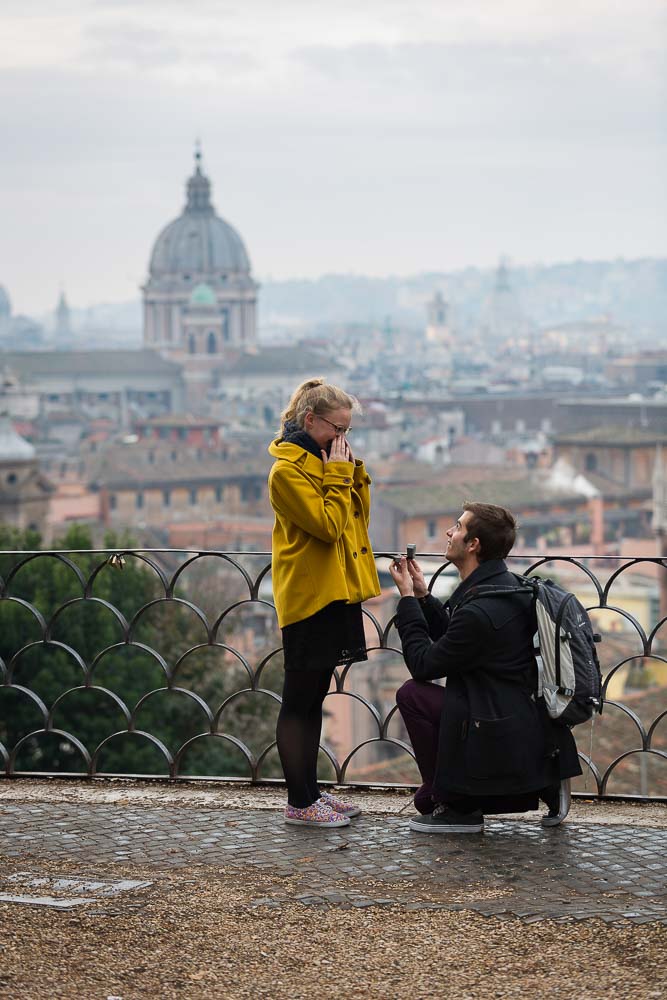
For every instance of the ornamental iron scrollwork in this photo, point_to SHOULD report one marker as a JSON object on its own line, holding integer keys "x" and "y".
{"x": 164, "y": 663}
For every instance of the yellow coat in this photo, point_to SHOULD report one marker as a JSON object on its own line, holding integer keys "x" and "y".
{"x": 321, "y": 550}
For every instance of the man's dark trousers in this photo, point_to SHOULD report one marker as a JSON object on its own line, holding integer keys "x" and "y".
{"x": 420, "y": 704}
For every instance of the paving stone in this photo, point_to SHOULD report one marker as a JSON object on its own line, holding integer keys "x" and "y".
{"x": 535, "y": 873}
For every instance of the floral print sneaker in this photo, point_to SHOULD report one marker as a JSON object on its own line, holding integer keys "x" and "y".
{"x": 319, "y": 814}
{"x": 343, "y": 808}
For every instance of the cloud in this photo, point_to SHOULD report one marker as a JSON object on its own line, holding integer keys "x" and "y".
{"x": 551, "y": 91}
{"x": 128, "y": 46}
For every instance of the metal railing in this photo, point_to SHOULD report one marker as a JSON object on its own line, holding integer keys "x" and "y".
{"x": 167, "y": 664}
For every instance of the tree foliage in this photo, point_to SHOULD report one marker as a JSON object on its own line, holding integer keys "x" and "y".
{"x": 91, "y": 650}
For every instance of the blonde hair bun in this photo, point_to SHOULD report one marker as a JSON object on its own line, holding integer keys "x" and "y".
{"x": 316, "y": 395}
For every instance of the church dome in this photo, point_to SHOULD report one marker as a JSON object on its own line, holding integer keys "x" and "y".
{"x": 198, "y": 241}
{"x": 13, "y": 448}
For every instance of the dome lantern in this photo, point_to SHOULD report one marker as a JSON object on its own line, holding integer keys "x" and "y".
{"x": 199, "y": 190}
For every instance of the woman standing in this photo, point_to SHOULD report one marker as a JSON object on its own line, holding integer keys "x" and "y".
{"x": 323, "y": 568}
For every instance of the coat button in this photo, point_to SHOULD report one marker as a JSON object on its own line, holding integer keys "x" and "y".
{"x": 354, "y": 554}
{"x": 346, "y": 480}
{"x": 356, "y": 513}
{"x": 364, "y": 551}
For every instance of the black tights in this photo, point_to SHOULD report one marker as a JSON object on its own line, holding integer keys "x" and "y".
{"x": 298, "y": 732}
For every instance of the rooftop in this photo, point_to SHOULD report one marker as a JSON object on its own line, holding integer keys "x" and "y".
{"x": 280, "y": 360}
{"x": 509, "y": 487}
{"x": 613, "y": 437}
{"x": 146, "y": 464}
{"x": 41, "y": 363}
{"x": 179, "y": 420}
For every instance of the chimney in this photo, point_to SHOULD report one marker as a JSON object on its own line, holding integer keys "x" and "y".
{"x": 596, "y": 509}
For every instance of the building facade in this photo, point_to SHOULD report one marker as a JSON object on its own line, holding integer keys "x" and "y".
{"x": 24, "y": 490}
{"x": 116, "y": 385}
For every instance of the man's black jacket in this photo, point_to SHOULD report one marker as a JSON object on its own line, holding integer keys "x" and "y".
{"x": 495, "y": 737}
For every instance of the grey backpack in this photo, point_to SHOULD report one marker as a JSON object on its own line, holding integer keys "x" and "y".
{"x": 569, "y": 676}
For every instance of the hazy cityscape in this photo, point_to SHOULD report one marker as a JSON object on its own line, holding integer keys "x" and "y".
{"x": 545, "y": 386}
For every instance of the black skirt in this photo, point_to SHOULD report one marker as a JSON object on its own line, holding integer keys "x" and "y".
{"x": 330, "y": 638}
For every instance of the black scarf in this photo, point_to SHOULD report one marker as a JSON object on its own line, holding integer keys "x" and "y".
{"x": 295, "y": 435}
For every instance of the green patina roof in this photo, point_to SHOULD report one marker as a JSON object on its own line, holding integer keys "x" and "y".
{"x": 202, "y": 295}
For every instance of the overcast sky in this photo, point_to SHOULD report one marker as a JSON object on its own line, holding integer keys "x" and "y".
{"x": 368, "y": 136}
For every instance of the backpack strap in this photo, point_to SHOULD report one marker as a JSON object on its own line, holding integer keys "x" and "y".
{"x": 489, "y": 591}
{"x": 568, "y": 692}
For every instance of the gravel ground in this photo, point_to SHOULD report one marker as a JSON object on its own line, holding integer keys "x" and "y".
{"x": 193, "y": 934}
{"x": 198, "y": 932}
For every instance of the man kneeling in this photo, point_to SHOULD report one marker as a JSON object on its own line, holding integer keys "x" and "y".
{"x": 484, "y": 743}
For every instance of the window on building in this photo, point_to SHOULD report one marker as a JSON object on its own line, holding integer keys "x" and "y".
{"x": 193, "y": 496}
{"x": 192, "y": 347}
{"x": 218, "y": 494}
{"x": 139, "y": 501}
{"x": 183, "y": 433}
{"x": 112, "y": 501}
{"x": 166, "y": 498}
{"x": 247, "y": 492}
{"x": 432, "y": 530}
{"x": 211, "y": 343}
{"x": 591, "y": 462}
{"x": 11, "y": 478}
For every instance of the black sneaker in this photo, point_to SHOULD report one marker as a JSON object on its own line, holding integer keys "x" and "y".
{"x": 558, "y": 798}
{"x": 445, "y": 820}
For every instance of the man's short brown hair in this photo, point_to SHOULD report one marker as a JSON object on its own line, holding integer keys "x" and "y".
{"x": 495, "y": 527}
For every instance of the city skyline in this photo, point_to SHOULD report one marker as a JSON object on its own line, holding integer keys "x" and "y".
{"x": 431, "y": 137}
